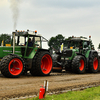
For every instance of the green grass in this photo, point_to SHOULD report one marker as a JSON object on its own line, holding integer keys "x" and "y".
{"x": 87, "y": 94}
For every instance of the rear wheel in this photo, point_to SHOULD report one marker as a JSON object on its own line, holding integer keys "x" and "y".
{"x": 12, "y": 66}
{"x": 79, "y": 64}
{"x": 93, "y": 64}
{"x": 42, "y": 64}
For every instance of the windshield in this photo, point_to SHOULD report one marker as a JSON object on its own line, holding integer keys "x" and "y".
{"x": 73, "y": 44}
{"x": 22, "y": 41}
{"x": 19, "y": 40}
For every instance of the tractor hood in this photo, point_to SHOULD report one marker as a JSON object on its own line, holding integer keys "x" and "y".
{"x": 8, "y": 50}
{"x": 69, "y": 53}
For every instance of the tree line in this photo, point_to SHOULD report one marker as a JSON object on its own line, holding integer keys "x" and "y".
{"x": 55, "y": 42}
{"x": 5, "y": 38}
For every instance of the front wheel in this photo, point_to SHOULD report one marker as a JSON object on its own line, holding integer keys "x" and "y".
{"x": 79, "y": 64}
{"x": 12, "y": 66}
{"x": 42, "y": 64}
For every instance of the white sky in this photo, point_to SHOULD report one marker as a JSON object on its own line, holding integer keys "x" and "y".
{"x": 51, "y": 17}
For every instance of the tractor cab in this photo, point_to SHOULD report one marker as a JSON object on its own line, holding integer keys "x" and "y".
{"x": 24, "y": 44}
{"x": 81, "y": 45}
{"x": 78, "y": 56}
{"x": 27, "y": 39}
{"x": 29, "y": 42}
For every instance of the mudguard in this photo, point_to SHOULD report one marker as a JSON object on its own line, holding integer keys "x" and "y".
{"x": 92, "y": 52}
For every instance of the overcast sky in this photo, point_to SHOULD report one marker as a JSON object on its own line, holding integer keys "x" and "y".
{"x": 52, "y": 17}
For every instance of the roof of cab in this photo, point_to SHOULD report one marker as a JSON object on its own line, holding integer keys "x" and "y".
{"x": 26, "y": 33}
{"x": 79, "y": 39}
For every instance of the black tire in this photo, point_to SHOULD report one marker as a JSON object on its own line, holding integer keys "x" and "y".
{"x": 33, "y": 69}
{"x": 12, "y": 66}
{"x": 78, "y": 64}
{"x": 93, "y": 66}
{"x": 42, "y": 64}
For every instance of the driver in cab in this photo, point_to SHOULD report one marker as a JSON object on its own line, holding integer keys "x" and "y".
{"x": 30, "y": 44}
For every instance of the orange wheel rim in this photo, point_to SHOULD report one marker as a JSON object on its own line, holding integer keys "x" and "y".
{"x": 81, "y": 65}
{"x": 15, "y": 66}
{"x": 46, "y": 64}
{"x": 95, "y": 63}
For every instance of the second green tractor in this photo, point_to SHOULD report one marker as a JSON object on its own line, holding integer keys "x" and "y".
{"x": 78, "y": 56}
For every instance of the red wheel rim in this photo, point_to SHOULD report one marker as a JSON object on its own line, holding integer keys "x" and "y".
{"x": 81, "y": 65}
{"x": 15, "y": 66}
{"x": 95, "y": 63}
{"x": 46, "y": 64}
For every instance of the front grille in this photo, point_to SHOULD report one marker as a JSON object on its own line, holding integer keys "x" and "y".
{"x": 67, "y": 53}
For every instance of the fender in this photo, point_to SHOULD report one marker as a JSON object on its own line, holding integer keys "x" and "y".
{"x": 43, "y": 50}
{"x": 38, "y": 50}
{"x": 81, "y": 55}
{"x": 92, "y": 52}
{"x": 14, "y": 54}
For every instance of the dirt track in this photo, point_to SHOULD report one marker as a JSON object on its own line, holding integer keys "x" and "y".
{"x": 29, "y": 85}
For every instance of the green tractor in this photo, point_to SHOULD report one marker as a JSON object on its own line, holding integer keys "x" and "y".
{"x": 77, "y": 57}
{"x": 26, "y": 54}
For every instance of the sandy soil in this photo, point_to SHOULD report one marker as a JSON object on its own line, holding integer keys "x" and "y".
{"x": 29, "y": 85}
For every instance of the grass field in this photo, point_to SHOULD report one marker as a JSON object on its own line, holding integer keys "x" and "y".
{"x": 87, "y": 94}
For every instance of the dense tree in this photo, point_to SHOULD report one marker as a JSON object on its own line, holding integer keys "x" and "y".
{"x": 60, "y": 38}
{"x": 5, "y": 38}
{"x": 55, "y": 42}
